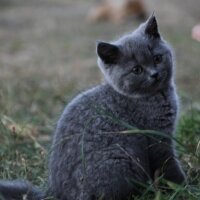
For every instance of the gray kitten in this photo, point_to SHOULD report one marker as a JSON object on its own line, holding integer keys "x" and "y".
{"x": 92, "y": 157}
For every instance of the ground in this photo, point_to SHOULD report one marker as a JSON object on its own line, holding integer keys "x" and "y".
{"x": 47, "y": 56}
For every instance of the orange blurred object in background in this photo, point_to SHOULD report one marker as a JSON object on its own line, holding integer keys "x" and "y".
{"x": 117, "y": 10}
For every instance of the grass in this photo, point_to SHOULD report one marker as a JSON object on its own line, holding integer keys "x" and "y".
{"x": 47, "y": 55}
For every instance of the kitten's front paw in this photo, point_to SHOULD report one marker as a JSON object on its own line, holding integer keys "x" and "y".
{"x": 173, "y": 172}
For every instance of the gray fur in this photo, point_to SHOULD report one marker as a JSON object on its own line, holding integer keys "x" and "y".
{"x": 90, "y": 158}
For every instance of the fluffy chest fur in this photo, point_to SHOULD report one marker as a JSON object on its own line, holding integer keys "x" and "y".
{"x": 156, "y": 112}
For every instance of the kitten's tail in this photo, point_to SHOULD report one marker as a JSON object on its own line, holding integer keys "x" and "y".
{"x": 19, "y": 190}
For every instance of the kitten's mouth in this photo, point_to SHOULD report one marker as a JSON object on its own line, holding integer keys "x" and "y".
{"x": 156, "y": 82}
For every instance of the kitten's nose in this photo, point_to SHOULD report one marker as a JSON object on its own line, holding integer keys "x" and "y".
{"x": 154, "y": 75}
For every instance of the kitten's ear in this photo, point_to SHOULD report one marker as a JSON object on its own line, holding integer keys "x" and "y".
{"x": 151, "y": 28}
{"x": 108, "y": 53}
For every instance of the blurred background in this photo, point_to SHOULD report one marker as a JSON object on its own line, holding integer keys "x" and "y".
{"x": 47, "y": 56}
{"x": 47, "y": 50}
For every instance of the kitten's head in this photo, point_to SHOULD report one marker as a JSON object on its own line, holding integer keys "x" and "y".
{"x": 138, "y": 64}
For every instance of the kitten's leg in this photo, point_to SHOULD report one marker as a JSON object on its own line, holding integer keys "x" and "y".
{"x": 118, "y": 171}
{"x": 164, "y": 159}
{"x": 116, "y": 179}
{"x": 172, "y": 171}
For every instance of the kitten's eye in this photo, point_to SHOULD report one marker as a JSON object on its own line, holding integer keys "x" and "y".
{"x": 137, "y": 69}
{"x": 157, "y": 59}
